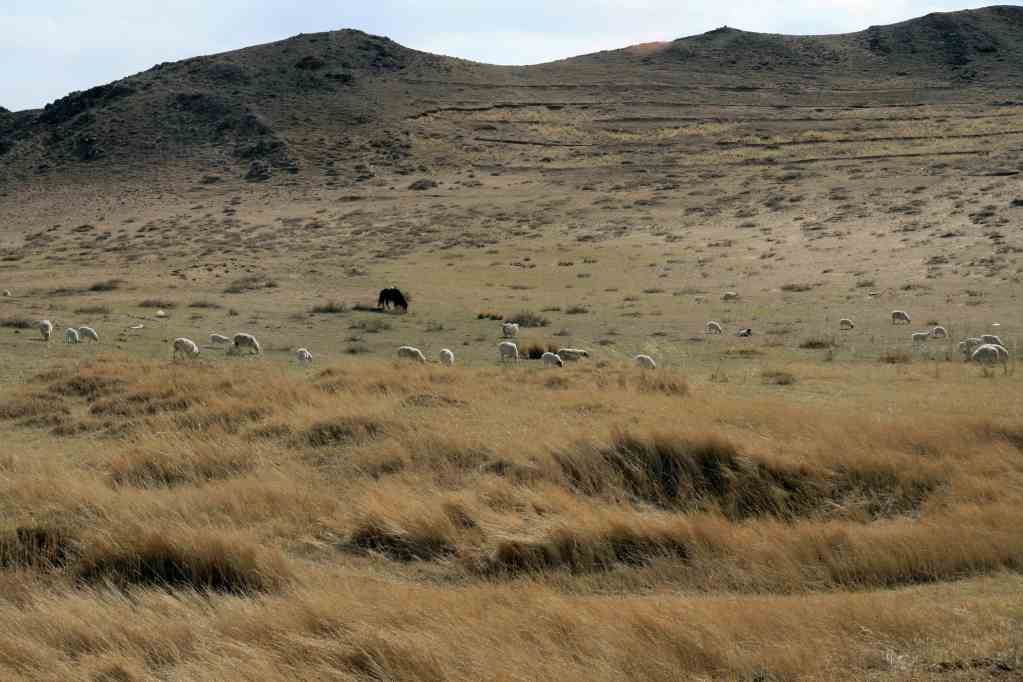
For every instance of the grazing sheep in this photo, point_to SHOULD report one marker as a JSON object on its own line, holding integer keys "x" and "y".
{"x": 968, "y": 345}
{"x": 411, "y": 353}
{"x": 939, "y": 332}
{"x": 303, "y": 356}
{"x": 510, "y": 330}
{"x": 992, "y": 340}
{"x": 552, "y": 360}
{"x": 572, "y": 354}
{"x": 747, "y": 332}
{"x": 219, "y": 339}
{"x": 730, "y": 296}
{"x": 7, "y": 293}
{"x": 900, "y": 317}
{"x": 990, "y": 353}
{"x": 88, "y": 333}
{"x": 921, "y": 337}
{"x": 71, "y": 335}
{"x": 507, "y": 349}
{"x": 447, "y": 358}
{"x": 845, "y": 324}
{"x": 246, "y": 341}
{"x": 714, "y": 328}
{"x": 185, "y": 347}
{"x": 161, "y": 314}
{"x": 45, "y": 328}
{"x": 645, "y": 362}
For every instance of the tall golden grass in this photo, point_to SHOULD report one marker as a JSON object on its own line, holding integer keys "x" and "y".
{"x": 380, "y": 521}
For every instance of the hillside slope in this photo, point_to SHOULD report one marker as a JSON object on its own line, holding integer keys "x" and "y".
{"x": 283, "y": 104}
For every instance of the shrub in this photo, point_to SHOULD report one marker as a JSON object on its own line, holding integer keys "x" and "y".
{"x": 577, "y": 310}
{"x": 211, "y": 305}
{"x": 329, "y": 308}
{"x": 777, "y": 377}
{"x": 250, "y": 283}
{"x": 489, "y": 316}
{"x": 17, "y": 323}
{"x": 664, "y": 383}
{"x": 896, "y": 357}
{"x": 106, "y": 285}
{"x": 818, "y": 343}
{"x": 372, "y": 326}
{"x": 157, "y": 303}
{"x": 93, "y": 310}
{"x": 527, "y": 318}
{"x": 796, "y": 287}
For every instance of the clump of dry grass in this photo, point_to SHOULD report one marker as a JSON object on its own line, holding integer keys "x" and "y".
{"x": 896, "y": 357}
{"x": 777, "y": 377}
{"x": 202, "y": 561}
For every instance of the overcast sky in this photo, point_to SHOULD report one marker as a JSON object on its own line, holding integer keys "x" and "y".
{"x": 51, "y": 47}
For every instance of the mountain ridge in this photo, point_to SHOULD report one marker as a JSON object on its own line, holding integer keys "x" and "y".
{"x": 275, "y": 104}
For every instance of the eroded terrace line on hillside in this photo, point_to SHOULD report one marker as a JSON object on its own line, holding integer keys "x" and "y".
{"x": 674, "y": 86}
{"x": 686, "y": 105}
{"x": 727, "y": 144}
{"x": 799, "y": 119}
{"x": 566, "y": 170}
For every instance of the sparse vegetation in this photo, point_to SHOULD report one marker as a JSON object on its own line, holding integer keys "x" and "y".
{"x": 777, "y": 377}
{"x": 158, "y": 303}
{"x": 329, "y": 308}
{"x": 528, "y": 319}
{"x": 818, "y": 343}
{"x": 250, "y": 283}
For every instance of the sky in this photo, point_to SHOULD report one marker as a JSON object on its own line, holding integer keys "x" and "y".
{"x": 49, "y": 48}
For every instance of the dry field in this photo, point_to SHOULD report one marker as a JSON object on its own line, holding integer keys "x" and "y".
{"x": 806, "y": 503}
{"x": 373, "y": 520}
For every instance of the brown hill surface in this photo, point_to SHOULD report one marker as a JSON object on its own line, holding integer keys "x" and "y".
{"x": 346, "y": 97}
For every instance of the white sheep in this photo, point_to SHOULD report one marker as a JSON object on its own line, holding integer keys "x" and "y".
{"x": 992, "y": 340}
{"x": 730, "y": 296}
{"x": 552, "y": 360}
{"x": 900, "y": 317}
{"x": 990, "y": 353}
{"x": 645, "y": 362}
{"x": 846, "y": 324}
{"x": 219, "y": 339}
{"x": 185, "y": 347}
{"x": 246, "y": 341}
{"x": 46, "y": 329}
{"x": 747, "y": 332}
{"x": 572, "y": 354}
{"x": 713, "y": 327}
{"x": 71, "y": 335}
{"x": 304, "y": 356}
{"x": 921, "y": 337}
{"x": 88, "y": 333}
{"x": 510, "y": 330}
{"x": 447, "y": 358}
{"x": 507, "y": 349}
{"x": 968, "y": 345}
{"x": 939, "y": 332}
{"x": 411, "y": 353}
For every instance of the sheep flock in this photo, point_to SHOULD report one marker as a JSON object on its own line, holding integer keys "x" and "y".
{"x": 986, "y": 350}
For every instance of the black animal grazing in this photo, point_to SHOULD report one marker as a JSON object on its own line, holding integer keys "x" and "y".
{"x": 745, "y": 332}
{"x": 392, "y": 297}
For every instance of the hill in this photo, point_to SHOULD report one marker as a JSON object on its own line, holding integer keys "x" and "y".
{"x": 280, "y": 104}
